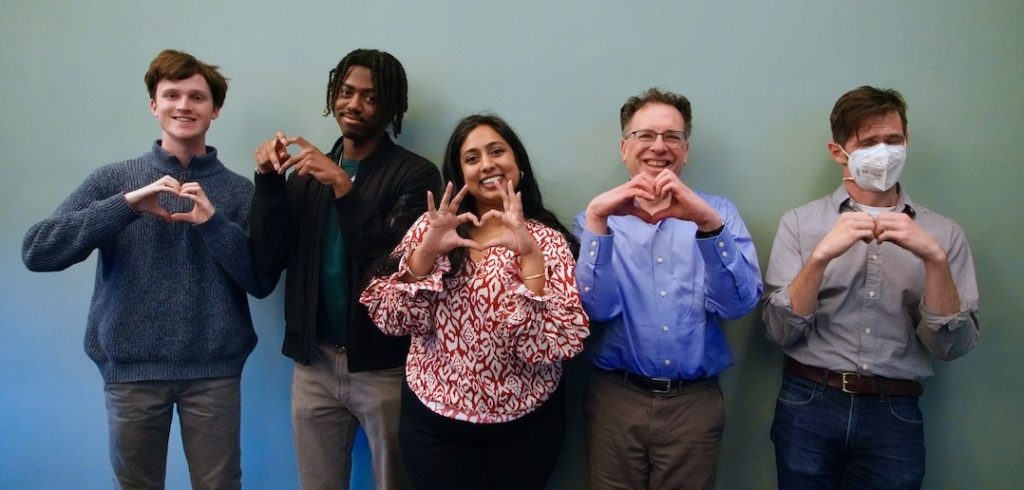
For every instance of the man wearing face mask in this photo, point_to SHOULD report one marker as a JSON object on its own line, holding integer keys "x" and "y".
{"x": 862, "y": 285}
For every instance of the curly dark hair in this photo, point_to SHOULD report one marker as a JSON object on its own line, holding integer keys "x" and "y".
{"x": 389, "y": 84}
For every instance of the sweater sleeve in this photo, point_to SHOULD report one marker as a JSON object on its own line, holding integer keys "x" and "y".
{"x": 230, "y": 247}
{"x": 92, "y": 215}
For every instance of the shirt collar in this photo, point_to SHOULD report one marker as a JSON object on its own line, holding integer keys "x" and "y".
{"x": 843, "y": 203}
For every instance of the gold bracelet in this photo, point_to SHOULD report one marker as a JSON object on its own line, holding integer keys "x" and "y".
{"x": 535, "y": 276}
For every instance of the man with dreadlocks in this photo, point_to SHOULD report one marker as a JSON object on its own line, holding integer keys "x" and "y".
{"x": 327, "y": 224}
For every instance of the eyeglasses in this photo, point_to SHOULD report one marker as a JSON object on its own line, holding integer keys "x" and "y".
{"x": 672, "y": 139}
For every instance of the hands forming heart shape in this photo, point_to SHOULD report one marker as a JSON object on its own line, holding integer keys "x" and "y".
{"x": 441, "y": 236}
{"x": 147, "y": 200}
{"x": 652, "y": 199}
{"x": 893, "y": 227}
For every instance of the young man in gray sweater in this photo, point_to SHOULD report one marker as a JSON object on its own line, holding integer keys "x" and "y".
{"x": 169, "y": 322}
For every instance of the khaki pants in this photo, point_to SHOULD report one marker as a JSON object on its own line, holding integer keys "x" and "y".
{"x": 329, "y": 404}
{"x": 641, "y": 440}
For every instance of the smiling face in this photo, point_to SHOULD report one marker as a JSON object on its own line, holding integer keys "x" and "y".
{"x": 487, "y": 162}
{"x": 653, "y": 157}
{"x": 355, "y": 108}
{"x": 185, "y": 109}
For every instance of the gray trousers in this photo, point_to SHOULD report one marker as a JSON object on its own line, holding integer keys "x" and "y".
{"x": 640, "y": 440}
{"x": 139, "y": 415}
{"x": 329, "y": 404}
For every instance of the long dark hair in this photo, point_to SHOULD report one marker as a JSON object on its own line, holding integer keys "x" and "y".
{"x": 533, "y": 203}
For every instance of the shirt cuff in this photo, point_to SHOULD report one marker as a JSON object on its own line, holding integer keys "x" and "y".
{"x": 935, "y": 321}
{"x": 596, "y": 249}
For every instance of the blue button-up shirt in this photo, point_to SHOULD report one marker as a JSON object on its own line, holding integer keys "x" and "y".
{"x": 661, "y": 292}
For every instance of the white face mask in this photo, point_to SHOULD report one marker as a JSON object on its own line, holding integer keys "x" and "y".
{"x": 876, "y": 168}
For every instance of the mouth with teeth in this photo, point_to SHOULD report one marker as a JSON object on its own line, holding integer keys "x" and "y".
{"x": 491, "y": 181}
{"x": 657, "y": 163}
{"x": 184, "y": 119}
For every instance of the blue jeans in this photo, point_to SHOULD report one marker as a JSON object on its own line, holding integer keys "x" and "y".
{"x": 827, "y": 439}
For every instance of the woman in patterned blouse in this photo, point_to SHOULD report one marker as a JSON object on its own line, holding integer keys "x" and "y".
{"x": 484, "y": 285}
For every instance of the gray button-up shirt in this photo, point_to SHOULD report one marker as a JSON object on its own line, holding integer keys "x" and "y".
{"x": 871, "y": 317}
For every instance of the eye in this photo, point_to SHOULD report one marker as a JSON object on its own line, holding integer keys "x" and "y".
{"x": 497, "y": 152}
{"x": 345, "y": 93}
{"x": 646, "y": 136}
{"x": 371, "y": 99}
{"x": 469, "y": 159}
{"x": 198, "y": 98}
{"x": 170, "y": 95}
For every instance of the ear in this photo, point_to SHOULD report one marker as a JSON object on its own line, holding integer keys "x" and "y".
{"x": 622, "y": 150}
{"x": 216, "y": 112}
{"x": 837, "y": 153}
{"x": 152, "y": 106}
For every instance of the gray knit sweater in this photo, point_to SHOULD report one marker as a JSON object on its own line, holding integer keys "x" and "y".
{"x": 170, "y": 298}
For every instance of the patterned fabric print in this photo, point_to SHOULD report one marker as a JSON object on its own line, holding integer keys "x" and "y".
{"x": 485, "y": 348}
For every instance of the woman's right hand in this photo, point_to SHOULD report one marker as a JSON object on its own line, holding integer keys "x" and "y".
{"x": 441, "y": 236}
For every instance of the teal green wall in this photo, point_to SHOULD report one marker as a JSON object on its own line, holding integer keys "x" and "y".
{"x": 762, "y": 77}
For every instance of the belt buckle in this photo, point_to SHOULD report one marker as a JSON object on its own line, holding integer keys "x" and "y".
{"x": 845, "y": 381}
{"x": 668, "y": 385}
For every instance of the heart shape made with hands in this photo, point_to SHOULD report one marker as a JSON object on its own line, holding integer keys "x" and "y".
{"x": 173, "y": 202}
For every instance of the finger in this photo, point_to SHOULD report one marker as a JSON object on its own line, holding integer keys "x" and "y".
{"x": 640, "y": 193}
{"x": 457, "y": 200}
{"x": 186, "y": 217}
{"x": 468, "y": 217}
{"x": 290, "y": 162}
{"x": 431, "y": 210}
{"x": 298, "y": 141}
{"x": 492, "y": 214}
{"x": 443, "y": 205}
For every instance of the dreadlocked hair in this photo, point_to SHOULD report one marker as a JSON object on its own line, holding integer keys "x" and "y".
{"x": 389, "y": 84}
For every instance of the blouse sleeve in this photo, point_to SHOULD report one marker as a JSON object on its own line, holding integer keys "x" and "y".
{"x": 549, "y": 327}
{"x": 400, "y": 308}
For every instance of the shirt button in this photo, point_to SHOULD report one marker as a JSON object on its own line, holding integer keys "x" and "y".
{"x": 593, "y": 243}
{"x": 864, "y": 367}
{"x": 871, "y": 294}
{"x": 725, "y": 254}
{"x": 873, "y": 257}
{"x": 668, "y": 361}
{"x": 586, "y": 289}
{"x": 591, "y": 253}
{"x": 663, "y": 293}
{"x": 867, "y": 331}
{"x": 721, "y": 244}
{"x": 660, "y": 260}
{"x": 664, "y": 327}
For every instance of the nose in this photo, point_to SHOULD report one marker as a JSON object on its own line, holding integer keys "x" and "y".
{"x": 355, "y": 104}
{"x": 658, "y": 145}
{"x": 183, "y": 104}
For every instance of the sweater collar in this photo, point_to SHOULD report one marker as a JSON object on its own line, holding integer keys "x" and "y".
{"x": 199, "y": 166}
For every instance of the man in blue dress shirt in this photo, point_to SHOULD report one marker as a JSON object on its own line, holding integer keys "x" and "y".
{"x": 660, "y": 265}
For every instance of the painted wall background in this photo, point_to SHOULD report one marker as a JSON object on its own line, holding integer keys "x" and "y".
{"x": 762, "y": 77}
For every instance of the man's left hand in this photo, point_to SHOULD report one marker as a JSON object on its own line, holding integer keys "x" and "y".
{"x": 901, "y": 230}
{"x": 311, "y": 161}
{"x": 203, "y": 209}
{"x": 683, "y": 203}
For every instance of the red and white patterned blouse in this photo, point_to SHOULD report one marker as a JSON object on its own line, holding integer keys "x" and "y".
{"x": 485, "y": 349}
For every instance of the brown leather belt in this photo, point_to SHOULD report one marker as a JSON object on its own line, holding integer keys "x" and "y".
{"x": 854, "y": 383}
